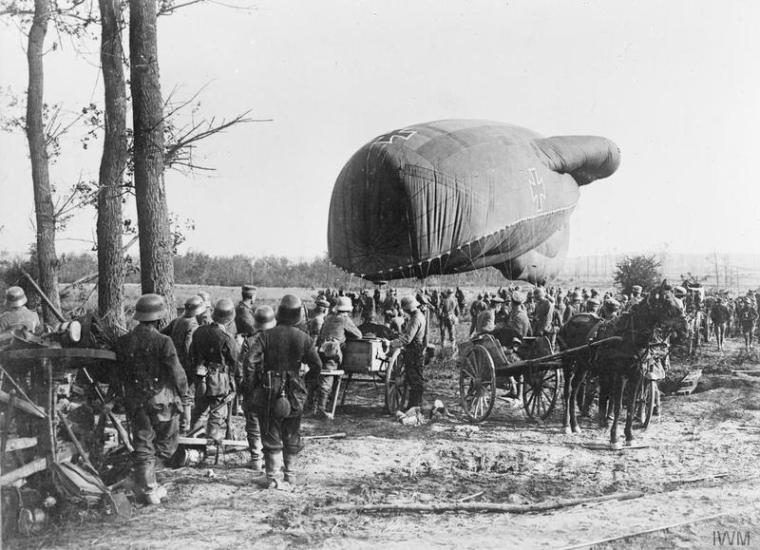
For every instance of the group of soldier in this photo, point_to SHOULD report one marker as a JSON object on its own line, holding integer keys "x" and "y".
{"x": 723, "y": 315}
{"x": 173, "y": 375}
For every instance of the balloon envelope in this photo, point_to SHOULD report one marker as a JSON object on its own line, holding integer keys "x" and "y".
{"x": 456, "y": 195}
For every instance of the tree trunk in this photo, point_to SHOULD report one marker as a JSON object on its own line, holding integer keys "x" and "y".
{"x": 156, "y": 268}
{"x": 112, "y": 165}
{"x": 35, "y": 133}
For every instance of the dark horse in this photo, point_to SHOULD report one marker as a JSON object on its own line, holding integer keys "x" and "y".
{"x": 648, "y": 323}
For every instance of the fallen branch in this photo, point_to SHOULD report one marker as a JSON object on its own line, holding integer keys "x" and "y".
{"x": 339, "y": 435}
{"x": 483, "y": 507}
{"x": 696, "y": 479}
{"x": 476, "y": 495}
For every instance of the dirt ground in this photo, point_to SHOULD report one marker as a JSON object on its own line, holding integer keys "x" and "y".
{"x": 507, "y": 459}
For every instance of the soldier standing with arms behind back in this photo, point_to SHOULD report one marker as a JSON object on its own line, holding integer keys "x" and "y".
{"x": 412, "y": 340}
{"x": 154, "y": 384}
{"x": 279, "y": 390}
{"x": 214, "y": 356}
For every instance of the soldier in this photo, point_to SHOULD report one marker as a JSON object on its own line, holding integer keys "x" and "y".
{"x": 747, "y": 319}
{"x": 278, "y": 390}
{"x": 394, "y": 321}
{"x": 18, "y": 315}
{"x": 719, "y": 315}
{"x": 318, "y": 319}
{"x": 636, "y": 296}
{"x": 367, "y": 307}
{"x": 543, "y": 315}
{"x": 609, "y": 309}
{"x": 518, "y": 317}
{"x": 391, "y": 301}
{"x": 244, "y": 311}
{"x": 206, "y": 315}
{"x": 624, "y": 305}
{"x": 214, "y": 354}
{"x": 476, "y": 307}
{"x": 154, "y": 384}
{"x": 448, "y": 311}
{"x": 182, "y": 337}
{"x": 459, "y": 295}
{"x": 412, "y": 340}
{"x": 263, "y": 319}
{"x": 592, "y": 306}
{"x": 337, "y": 328}
{"x": 574, "y": 307}
{"x": 500, "y": 311}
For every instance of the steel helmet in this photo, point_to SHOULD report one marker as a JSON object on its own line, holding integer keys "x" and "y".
{"x": 15, "y": 297}
{"x": 263, "y": 318}
{"x": 224, "y": 311}
{"x": 344, "y": 304}
{"x": 193, "y": 306}
{"x": 149, "y": 307}
{"x": 289, "y": 310}
{"x": 409, "y": 303}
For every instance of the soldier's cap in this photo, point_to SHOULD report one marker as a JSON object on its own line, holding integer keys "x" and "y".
{"x": 576, "y": 296}
{"x": 249, "y": 288}
{"x": 594, "y": 301}
{"x": 193, "y": 306}
{"x": 517, "y": 297}
{"x": 149, "y": 307}
{"x": 636, "y": 288}
{"x": 321, "y": 302}
{"x": 15, "y": 297}
{"x": 343, "y": 304}
{"x": 263, "y": 318}
{"x": 409, "y": 303}
{"x": 224, "y": 311}
{"x": 594, "y": 292}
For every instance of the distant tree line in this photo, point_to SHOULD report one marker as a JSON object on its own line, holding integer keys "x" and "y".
{"x": 200, "y": 268}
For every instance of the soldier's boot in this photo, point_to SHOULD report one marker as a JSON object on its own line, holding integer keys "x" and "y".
{"x": 273, "y": 467}
{"x": 148, "y": 488}
{"x": 185, "y": 419}
{"x": 256, "y": 464}
{"x": 290, "y": 461}
{"x": 321, "y": 413}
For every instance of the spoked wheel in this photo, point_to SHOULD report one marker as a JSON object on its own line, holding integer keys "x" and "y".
{"x": 645, "y": 399}
{"x": 477, "y": 384}
{"x": 396, "y": 384}
{"x": 540, "y": 390}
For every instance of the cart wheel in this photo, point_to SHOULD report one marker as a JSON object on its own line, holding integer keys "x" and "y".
{"x": 477, "y": 384}
{"x": 540, "y": 390}
{"x": 645, "y": 398}
{"x": 396, "y": 384}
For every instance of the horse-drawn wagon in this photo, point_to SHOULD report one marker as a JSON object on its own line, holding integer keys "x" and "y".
{"x": 486, "y": 364}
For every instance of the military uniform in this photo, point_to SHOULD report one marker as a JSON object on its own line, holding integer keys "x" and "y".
{"x": 367, "y": 306}
{"x": 413, "y": 340}
{"x": 335, "y": 330}
{"x": 154, "y": 383}
{"x": 182, "y": 338}
{"x": 214, "y": 356}
{"x": 19, "y": 317}
{"x": 448, "y": 313}
{"x": 244, "y": 318}
{"x": 275, "y": 371}
{"x": 543, "y": 317}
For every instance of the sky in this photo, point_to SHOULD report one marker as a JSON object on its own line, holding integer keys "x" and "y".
{"x": 674, "y": 84}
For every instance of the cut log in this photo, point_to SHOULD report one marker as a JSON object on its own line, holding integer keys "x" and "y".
{"x": 58, "y": 353}
{"x": 23, "y": 405}
{"x": 202, "y": 442}
{"x": 18, "y": 443}
{"x": 483, "y": 507}
{"x": 339, "y": 435}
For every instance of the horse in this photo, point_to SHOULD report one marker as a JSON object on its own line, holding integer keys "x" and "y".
{"x": 648, "y": 323}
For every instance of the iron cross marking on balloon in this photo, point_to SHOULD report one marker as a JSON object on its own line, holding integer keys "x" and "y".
{"x": 537, "y": 189}
{"x": 401, "y": 134}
